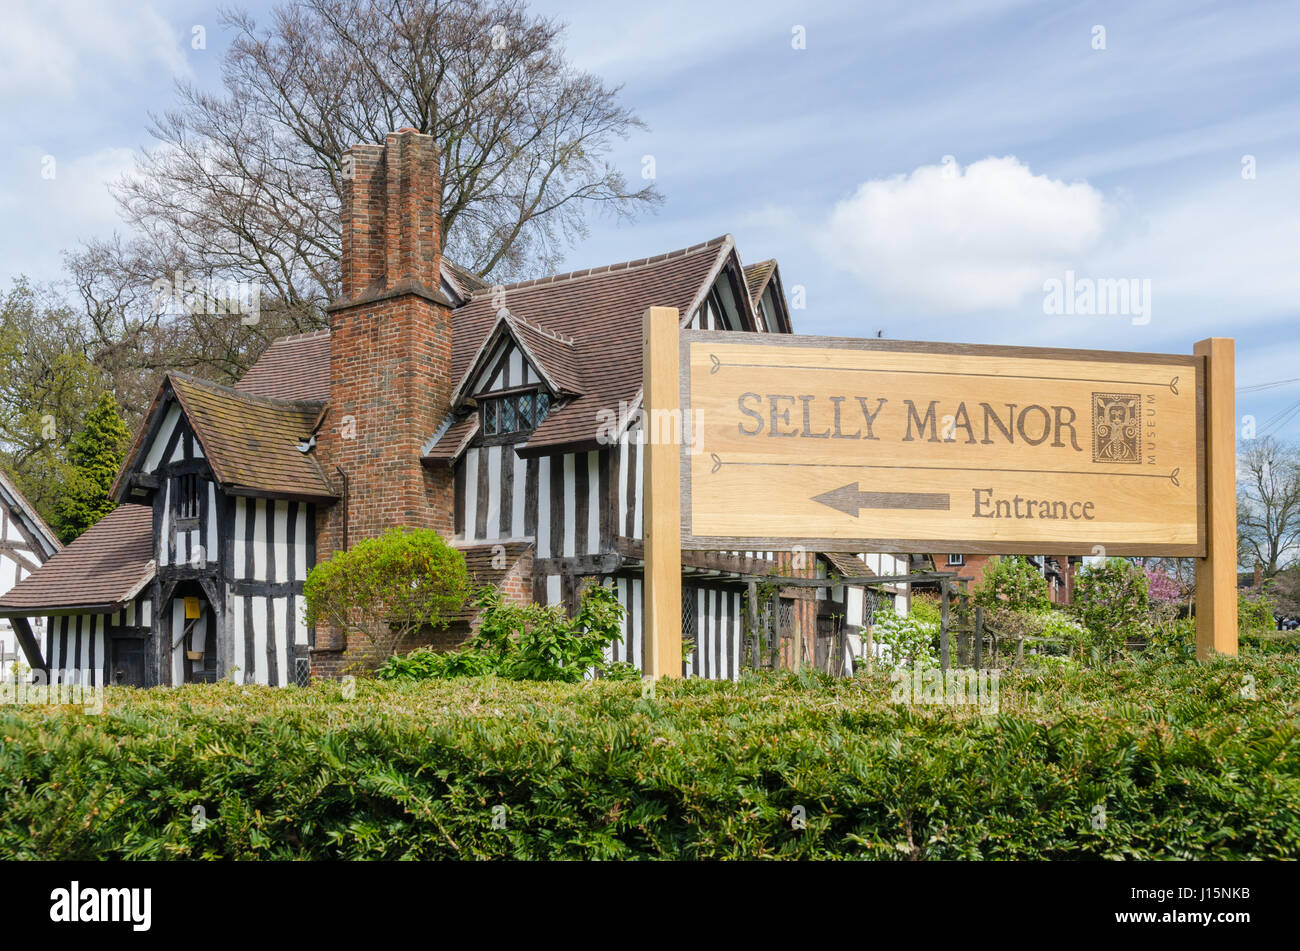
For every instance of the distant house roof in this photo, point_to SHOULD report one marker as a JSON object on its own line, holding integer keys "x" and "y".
{"x": 97, "y": 574}
{"x": 292, "y": 368}
{"x": 848, "y": 566}
{"x": 757, "y": 276}
{"x": 252, "y": 443}
{"x": 28, "y": 518}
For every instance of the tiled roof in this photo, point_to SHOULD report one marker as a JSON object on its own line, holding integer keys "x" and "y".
{"x": 447, "y": 444}
{"x": 463, "y": 282}
{"x": 584, "y": 327}
{"x": 848, "y": 566}
{"x": 757, "y": 276}
{"x": 251, "y": 442}
{"x": 107, "y": 566}
{"x": 601, "y": 310}
{"x": 292, "y": 368}
{"x": 31, "y": 519}
{"x": 554, "y": 354}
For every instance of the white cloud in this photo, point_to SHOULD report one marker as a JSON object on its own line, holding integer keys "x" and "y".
{"x": 966, "y": 240}
{"x": 57, "y": 213}
{"x": 54, "y": 50}
{"x": 1221, "y": 256}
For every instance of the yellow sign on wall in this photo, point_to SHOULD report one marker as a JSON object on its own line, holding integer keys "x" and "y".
{"x": 857, "y": 445}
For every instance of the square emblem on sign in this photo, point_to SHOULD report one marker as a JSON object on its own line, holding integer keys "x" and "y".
{"x": 1116, "y": 428}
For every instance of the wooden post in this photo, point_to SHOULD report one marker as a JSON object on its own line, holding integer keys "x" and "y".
{"x": 943, "y": 625}
{"x": 774, "y": 616}
{"x": 963, "y": 636}
{"x": 663, "y": 494}
{"x": 979, "y": 636}
{"x": 1216, "y": 574}
{"x": 754, "y": 631}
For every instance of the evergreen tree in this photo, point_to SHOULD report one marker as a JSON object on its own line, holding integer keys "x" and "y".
{"x": 95, "y": 455}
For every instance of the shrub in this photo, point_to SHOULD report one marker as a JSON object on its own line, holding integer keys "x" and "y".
{"x": 1111, "y": 601}
{"x": 388, "y": 589}
{"x": 1255, "y": 615}
{"x": 527, "y": 642}
{"x": 908, "y": 640}
{"x": 1174, "y": 635}
{"x": 1162, "y": 588}
{"x": 1012, "y": 582}
{"x": 1185, "y": 764}
{"x": 926, "y": 608}
{"x": 1073, "y": 638}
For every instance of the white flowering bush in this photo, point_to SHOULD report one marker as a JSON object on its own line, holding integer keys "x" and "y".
{"x": 1074, "y": 635}
{"x": 906, "y": 640}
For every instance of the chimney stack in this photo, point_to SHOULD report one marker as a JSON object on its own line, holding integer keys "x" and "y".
{"x": 390, "y": 354}
{"x": 392, "y": 225}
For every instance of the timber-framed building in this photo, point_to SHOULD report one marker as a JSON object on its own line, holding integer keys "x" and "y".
{"x": 505, "y": 417}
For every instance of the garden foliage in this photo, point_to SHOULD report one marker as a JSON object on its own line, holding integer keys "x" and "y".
{"x": 527, "y": 642}
{"x": 1183, "y": 761}
{"x": 388, "y": 590}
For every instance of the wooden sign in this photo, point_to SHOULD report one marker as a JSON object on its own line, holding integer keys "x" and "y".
{"x": 844, "y": 444}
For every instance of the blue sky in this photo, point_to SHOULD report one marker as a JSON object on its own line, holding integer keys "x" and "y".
{"x": 921, "y": 169}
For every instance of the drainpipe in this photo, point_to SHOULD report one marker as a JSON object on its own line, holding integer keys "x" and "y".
{"x": 346, "y": 492}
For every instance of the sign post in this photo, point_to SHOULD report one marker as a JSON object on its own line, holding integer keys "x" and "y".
{"x": 662, "y": 505}
{"x": 1216, "y": 573}
{"x": 845, "y": 444}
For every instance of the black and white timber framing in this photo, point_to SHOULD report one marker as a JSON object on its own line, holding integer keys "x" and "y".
{"x": 241, "y": 559}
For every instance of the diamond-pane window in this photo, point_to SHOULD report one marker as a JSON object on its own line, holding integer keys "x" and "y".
{"x": 514, "y": 413}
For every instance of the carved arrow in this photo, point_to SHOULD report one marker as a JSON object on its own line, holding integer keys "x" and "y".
{"x": 849, "y": 500}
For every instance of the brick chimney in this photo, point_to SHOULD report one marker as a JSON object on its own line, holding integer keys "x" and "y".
{"x": 390, "y": 350}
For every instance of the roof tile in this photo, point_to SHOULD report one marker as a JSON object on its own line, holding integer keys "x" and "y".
{"x": 103, "y": 568}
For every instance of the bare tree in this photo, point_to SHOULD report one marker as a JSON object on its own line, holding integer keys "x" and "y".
{"x": 246, "y": 182}
{"x": 1268, "y": 504}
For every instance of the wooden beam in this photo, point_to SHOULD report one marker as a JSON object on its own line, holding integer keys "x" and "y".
{"x": 27, "y": 641}
{"x": 663, "y": 493}
{"x": 1216, "y": 574}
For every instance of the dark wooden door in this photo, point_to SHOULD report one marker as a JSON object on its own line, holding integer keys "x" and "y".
{"x": 126, "y": 662}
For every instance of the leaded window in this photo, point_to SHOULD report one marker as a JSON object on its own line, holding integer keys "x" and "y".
{"x": 513, "y": 412}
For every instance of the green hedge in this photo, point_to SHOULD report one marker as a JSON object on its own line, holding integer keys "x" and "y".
{"x": 1184, "y": 765}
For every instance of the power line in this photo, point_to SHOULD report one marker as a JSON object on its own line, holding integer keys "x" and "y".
{"x": 1281, "y": 419}
{"x": 1266, "y": 386}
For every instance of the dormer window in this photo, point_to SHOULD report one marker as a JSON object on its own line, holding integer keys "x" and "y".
{"x": 512, "y": 413}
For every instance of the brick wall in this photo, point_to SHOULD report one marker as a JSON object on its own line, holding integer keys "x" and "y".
{"x": 390, "y": 357}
